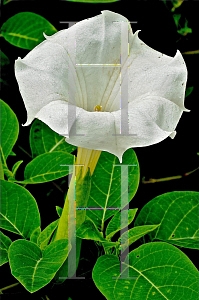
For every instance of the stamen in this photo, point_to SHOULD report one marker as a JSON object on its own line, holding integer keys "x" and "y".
{"x": 98, "y": 108}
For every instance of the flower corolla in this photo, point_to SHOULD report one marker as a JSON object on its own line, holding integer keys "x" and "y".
{"x": 80, "y": 80}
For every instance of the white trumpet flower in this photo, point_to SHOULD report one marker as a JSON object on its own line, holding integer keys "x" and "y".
{"x": 82, "y": 66}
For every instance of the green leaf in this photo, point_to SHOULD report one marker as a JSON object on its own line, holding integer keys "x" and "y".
{"x": 115, "y": 223}
{"x": 109, "y": 245}
{"x": 46, "y": 234}
{"x": 5, "y": 244}
{"x": 161, "y": 272}
{"x": 12, "y": 153}
{"x": 176, "y": 4}
{"x": 9, "y": 129}
{"x": 32, "y": 268}
{"x": 4, "y": 60}
{"x": 25, "y": 30}
{"x": 184, "y": 31}
{"x": 106, "y": 185}
{"x": 4, "y": 69}
{"x": 89, "y": 231}
{"x": 188, "y": 91}
{"x": 19, "y": 210}
{"x": 47, "y": 167}
{"x": 43, "y": 140}
{"x": 93, "y": 1}
{"x": 6, "y": 1}
{"x": 136, "y": 233}
{"x": 35, "y": 234}
{"x": 177, "y": 214}
{"x": 16, "y": 166}
{"x": 176, "y": 18}
{"x": 7, "y": 172}
{"x": 63, "y": 273}
{"x": 59, "y": 210}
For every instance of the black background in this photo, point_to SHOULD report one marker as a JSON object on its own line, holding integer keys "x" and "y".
{"x": 168, "y": 158}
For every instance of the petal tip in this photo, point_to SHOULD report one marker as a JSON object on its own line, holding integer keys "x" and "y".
{"x": 136, "y": 33}
{"x": 18, "y": 61}
{"x": 120, "y": 158}
{"x": 186, "y": 110}
{"x": 173, "y": 134}
{"x": 26, "y": 124}
{"x": 45, "y": 35}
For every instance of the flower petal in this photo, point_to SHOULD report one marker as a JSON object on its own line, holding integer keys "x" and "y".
{"x": 42, "y": 77}
{"x": 150, "y": 70}
{"x": 62, "y": 67}
{"x": 151, "y": 120}
{"x": 45, "y": 69}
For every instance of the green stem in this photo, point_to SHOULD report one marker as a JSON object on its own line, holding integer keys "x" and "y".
{"x": 8, "y": 287}
{"x": 2, "y": 172}
{"x": 153, "y": 180}
{"x": 191, "y": 52}
{"x": 2, "y": 158}
{"x": 6, "y": 2}
{"x": 79, "y": 190}
{"x": 62, "y": 230}
{"x": 25, "y": 151}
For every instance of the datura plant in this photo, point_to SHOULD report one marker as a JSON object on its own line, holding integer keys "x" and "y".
{"x": 98, "y": 87}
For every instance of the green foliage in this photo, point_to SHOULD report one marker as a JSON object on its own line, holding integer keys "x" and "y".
{"x": 185, "y": 30}
{"x": 93, "y": 1}
{"x": 69, "y": 266}
{"x": 4, "y": 59}
{"x": 15, "y": 167}
{"x": 89, "y": 231}
{"x": 181, "y": 30}
{"x": 176, "y": 4}
{"x": 106, "y": 185}
{"x": 9, "y": 129}
{"x": 25, "y": 30}
{"x": 34, "y": 268}
{"x": 4, "y": 246}
{"x": 176, "y": 18}
{"x": 78, "y": 193}
{"x": 35, "y": 234}
{"x": 47, "y": 167}
{"x": 177, "y": 214}
{"x": 44, "y": 140}
{"x": 4, "y": 64}
{"x": 45, "y": 235}
{"x": 58, "y": 210}
{"x": 135, "y": 234}
{"x": 115, "y": 223}
{"x": 19, "y": 211}
{"x": 188, "y": 91}
{"x": 161, "y": 271}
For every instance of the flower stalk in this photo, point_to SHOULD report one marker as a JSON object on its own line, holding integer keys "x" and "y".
{"x": 79, "y": 190}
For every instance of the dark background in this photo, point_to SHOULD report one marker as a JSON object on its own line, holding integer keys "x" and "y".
{"x": 168, "y": 158}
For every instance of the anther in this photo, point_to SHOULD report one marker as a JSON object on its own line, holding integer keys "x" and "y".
{"x": 98, "y": 108}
